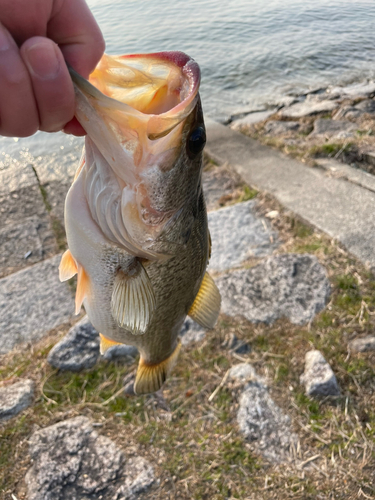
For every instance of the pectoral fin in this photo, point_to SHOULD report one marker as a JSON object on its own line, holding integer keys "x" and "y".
{"x": 67, "y": 267}
{"x": 105, "y": 343}
{"x": 150, "y": 378}
{"x": 82, "y": 287}
{"x": 133, "y": 299}
{"x": 206, "y": 307}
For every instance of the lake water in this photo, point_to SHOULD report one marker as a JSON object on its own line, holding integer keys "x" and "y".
{"x": 250, "y": 53}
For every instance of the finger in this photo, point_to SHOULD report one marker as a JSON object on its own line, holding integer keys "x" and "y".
{"x": 52, "y": 85}
{"x": 74, "y": 28}
{"x": 74, "y": 128}
{"x": 18, "y": 112}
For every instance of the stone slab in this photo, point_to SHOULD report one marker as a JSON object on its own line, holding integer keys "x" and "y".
{"x": 33, "y": 302}
{"x": 277, "y": 127}
{"x": 238, "y": 234}
{"x": 17, "y": 177}
{"x": 289, "y": 285}
{"x": 364, "y": 89}
{"x": 342, "y": 210}
{"x": 71, "y": 461}
{"x": 191, "y": 332}
{"x": 25, "y": 244}
{"x": 15, "y": 398}
{"x": 342, "y": 170}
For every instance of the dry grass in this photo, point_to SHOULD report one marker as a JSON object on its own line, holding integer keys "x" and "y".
{"x": 195, "y": 445}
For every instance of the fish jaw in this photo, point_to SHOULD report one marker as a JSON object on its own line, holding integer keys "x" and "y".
{"x": 139, "y": 116}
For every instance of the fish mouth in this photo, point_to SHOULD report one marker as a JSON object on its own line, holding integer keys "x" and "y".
{"x": 133, "y": 109}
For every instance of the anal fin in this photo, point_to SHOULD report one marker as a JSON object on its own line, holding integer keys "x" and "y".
{"x": 150, "y": 378}
{"x": 82, "y": 287}
{"x": 68, "y": 267}
{"x": 105, "y": 343}
{"x": 206, "y": 306}
{"x": 133, "y": 299}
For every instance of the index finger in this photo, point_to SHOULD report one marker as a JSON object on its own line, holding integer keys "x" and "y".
{"x": 73, "y": 27}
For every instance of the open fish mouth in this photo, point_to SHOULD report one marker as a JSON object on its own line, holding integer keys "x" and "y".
{"x": 133, "y": 109}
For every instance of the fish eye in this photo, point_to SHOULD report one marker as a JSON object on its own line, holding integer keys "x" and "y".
{"x": 196, "y": 141}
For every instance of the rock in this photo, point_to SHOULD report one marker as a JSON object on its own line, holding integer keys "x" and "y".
{"x": 333, "y": 128}
{"x": 33, "y": 302}
{"x": 363, "y": 344}
{"x": 264, "y": 424}
{"x": 367, "y": 106}
{"x": 252, "y": 119}
{"x": 235, "y": 345}
{"x": 318, "y": 378}
{"x": 310, "y": 106}
{"x": 56, "y": 193}
{"x": 191, "y": 332}
{"x": 238, "y": 234}
{"x": 15, "y": 398}
{"x": 217, "y": 183}
{"x": 72, "y": 462}
{"x": 121, "y": 352}
{"x": 242, "y": 372}
{"x": 290, "y": 285}
{"x": 364, "y": 89}
{"x": 79, "y": 349}
{"x": 349, "y": 112}
{"x": 276, "y": 127}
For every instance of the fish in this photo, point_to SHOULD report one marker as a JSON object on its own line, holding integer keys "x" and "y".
{"x": 135, "y": 214}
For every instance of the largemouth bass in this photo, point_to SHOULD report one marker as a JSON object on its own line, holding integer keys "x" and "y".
{"x": 135, "y": 214}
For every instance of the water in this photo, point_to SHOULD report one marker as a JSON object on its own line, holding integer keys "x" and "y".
{"x": 250, "y": 52}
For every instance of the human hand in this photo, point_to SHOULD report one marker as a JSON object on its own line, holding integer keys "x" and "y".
{"x": 36, "y": 38}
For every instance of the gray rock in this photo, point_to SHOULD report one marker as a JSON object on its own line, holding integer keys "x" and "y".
{"x": 122, "y": 352}
{"x": 349, "y": 112}
{"x": 332, "y": 128}
{"x": 33, "y": 302}
{"x": 191, "y": 332}
{"x": 56, "y": 193}
{"x": 318, "y": 378}
{"x": 276, "y": 127}
{"x": 24, "y": 244}
{"x": 15, "y": 398}
{"x": 72, "y": 462}
{"x": 16, "y": 178}
{"x": 367, "y": 106}
{"x": 252, "y": 119}
{"x": 364, "y": 89}
{"x": 79, "y": 349}
{"x": 242, "y": 372}
{"x": 238, "y": 234}
{"x": 310, "y": 106}
{"x": 218, "y": 182}
{"x": 363, "y": 344}
{"x": 263, "y": 423}
{"x": 290, "y": 285}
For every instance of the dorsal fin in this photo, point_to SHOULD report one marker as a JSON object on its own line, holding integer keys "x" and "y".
{"x": 206, "y": 306}
{"x": 67, "y": 267}
{"x": 150, "y": 378}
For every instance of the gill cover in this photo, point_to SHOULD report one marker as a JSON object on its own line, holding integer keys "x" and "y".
{"x": 133, "y": 110}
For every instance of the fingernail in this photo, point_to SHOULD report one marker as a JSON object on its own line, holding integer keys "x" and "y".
{"x": 42, "y": 60}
